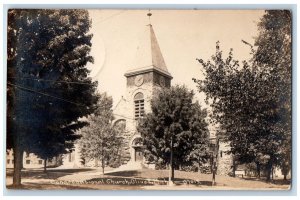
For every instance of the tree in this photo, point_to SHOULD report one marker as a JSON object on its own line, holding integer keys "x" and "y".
{"x": 273, "y": 57}
{"x": 251, "y": 102}
{"x": 174, "y": 128}
{"x": 52, "y": 142}
{"x": 242, "y": 105}
{"x": 226, "y": 86}
{"x": 101, "y": 140}
{"x": 48, "y": 84}
{"x": 200, "y": 154}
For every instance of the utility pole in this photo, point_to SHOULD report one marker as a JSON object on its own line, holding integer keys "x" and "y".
{"x": 171, "y": 172}
{"x": 214, "y": 154}
{"x": 214, "y": 171}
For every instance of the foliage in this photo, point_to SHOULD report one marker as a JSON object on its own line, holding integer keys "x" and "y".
{"x": 251, "y": 101}
{"x": 101, "y": 140}
{"x": 48, "y": 84}
{"x": 273, "y": 58}
{"x": 175, "y": 126}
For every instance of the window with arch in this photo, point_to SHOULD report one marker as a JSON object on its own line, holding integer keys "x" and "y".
{"x": 139, "y": 105}
{"x": 120, "y": 125}
{"x": 137, "y": 142}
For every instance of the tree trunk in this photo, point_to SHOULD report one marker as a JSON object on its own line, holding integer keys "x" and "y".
{"x": 233, "y": 167}
{"x": 285, "y": 171}
{"x": 171, "y": 166}
{"x": 268, "y": 175}
{"x": 45, "y": 165}
{"x": 284, "y": 176}
{"x": 213, "y": 177}
{"x": 258, "y": 170}
{"x": 269, "y": 171}
{"x": 102, "y": 165}
{"x": 214, "y": 171}
{"x": 102, "y": 156}
{"x": 18, "y": 160}
{"x": 173, "y": 172}
{"x": 272, "y": 173}
{"x": 22, "y": 167}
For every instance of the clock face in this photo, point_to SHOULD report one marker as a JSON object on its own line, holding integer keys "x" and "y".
{"x": 162, "y": 81}
{"x": 139, "y": 80}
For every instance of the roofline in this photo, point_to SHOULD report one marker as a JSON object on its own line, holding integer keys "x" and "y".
{"x": 150, "y": 68}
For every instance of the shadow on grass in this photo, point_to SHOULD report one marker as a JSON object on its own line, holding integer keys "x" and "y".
{"x": 276, "y": 181}
{"x": 131, "y": 173}
{"x": 281, "y": 182}
{"x": 50, "y": 174}
{"x": 48, "y": 186}
{"x": 137, "y": 178}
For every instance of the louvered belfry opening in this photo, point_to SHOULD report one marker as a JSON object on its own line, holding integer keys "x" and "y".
{"x": 139, "y": 110}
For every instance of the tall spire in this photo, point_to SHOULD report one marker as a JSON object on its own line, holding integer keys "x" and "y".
{"x": 148, "y": 55}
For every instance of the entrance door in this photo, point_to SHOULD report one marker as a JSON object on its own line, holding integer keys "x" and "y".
{"x": 138, "y": 154}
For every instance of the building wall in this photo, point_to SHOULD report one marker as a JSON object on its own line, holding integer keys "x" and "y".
{"x": 126, "y": 111}
{"x": 30, "y": 160}
{"x": 72, "y": 159}
{"x": 225, "y": 161}
{"x": 225, "y": 164}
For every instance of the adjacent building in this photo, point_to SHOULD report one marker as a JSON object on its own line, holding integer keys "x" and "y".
{"x": 31, "y": 160}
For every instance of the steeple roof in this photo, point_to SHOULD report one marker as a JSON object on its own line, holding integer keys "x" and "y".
{"x": 148, "y": 55}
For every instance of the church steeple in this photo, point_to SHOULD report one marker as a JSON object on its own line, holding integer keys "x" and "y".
{"x": 146, "y": 78}
{"x": 148, "y": 55}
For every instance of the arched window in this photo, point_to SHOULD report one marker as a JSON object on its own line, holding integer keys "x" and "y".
{"x": 120, "y": 125}
{"x": 139, "y": 105}
{"x": 137, "y": 142}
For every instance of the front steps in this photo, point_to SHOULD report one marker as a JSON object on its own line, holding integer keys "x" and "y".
{"x": 130, "y": 166}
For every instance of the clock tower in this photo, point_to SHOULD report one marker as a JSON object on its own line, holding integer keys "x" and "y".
{"x": 148, "y": 73}
{"x": 145, "y": 78}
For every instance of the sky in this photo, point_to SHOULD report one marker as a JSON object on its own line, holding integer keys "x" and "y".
{"x": 183, "y": 36}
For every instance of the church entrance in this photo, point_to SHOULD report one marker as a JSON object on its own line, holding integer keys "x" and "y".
{"x": 138, "y": 154}
{"x": 137, "y": 145}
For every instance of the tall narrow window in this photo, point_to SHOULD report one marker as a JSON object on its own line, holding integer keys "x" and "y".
{"x": 139, "y": 105}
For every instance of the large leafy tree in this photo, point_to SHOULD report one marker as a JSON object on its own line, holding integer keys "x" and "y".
{"x": 175, "y": 127}
{"x": 251, "y": 101}
{"x": 228, "y": 91}
{"x": 273, "y": 58}
{"x": 48, "y": 84}
{"x": 101, "y": 140}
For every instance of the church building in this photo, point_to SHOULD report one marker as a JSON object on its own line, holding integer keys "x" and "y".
{"x": 144, "y": 78}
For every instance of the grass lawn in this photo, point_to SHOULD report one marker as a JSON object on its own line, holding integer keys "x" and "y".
{"x": 195, "y": 179}
{"x": 148, "y": 179}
